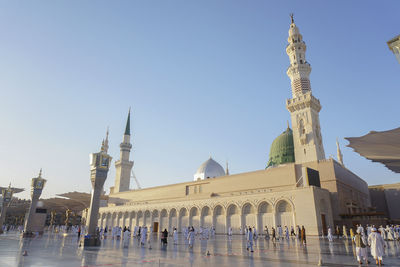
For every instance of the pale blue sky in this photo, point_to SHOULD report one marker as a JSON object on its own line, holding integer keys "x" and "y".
{"x": 202, "y": 77}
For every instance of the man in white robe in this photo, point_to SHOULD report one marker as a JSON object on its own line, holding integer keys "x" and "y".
{"x": 143, "y": 236}
{"x": 361, "y": 247}
{"x": 250, "y": 240}
{"x": 191, "y": 238}
{"x": 126, "y": 237}
{"x": 175, "y": 236}
{"x": 330, "y": 237}
{"x": 230, "y": 231}
{"x": 377, "y": 245}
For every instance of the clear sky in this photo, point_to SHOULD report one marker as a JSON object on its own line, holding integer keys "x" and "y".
{"x": 202, "y": 77}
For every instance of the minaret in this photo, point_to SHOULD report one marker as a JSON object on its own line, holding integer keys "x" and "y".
{"x": 339, "y": 153}
{"x": 227, "y": 168}
{"x": 123, "y": 166}
{"x": 303, "y": 106}
{"x": 104, "y": 144}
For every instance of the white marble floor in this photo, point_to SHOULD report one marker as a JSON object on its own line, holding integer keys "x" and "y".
{"x": 63, "y": 250}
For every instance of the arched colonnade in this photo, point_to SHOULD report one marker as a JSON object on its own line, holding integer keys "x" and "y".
{"x": 259, "y": 215}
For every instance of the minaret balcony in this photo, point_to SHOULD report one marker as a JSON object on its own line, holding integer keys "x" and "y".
{"x": 302, "y": 101}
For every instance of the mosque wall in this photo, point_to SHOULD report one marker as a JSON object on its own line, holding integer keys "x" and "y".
{"x": 277, "y": 178}
{"x": 349, "y": 193}
{"x": 300, "y": 206}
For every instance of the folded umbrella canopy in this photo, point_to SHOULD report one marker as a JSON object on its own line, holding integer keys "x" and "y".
{"x": 383, "y": 147}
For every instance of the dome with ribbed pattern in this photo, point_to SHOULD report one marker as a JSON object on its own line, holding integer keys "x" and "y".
{"x": 282, "y": 149}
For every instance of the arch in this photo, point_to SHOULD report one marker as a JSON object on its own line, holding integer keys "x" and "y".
{"x": 194, "y": 217}
{"x": 146, "y": 218}
{"x": 265, "y": 216}
{"x": 155, "y": 221}
{"x": 132, "y": 216}
{"x": 183, "y": 219}
{"x": 125, "y": 219}
{"x": 172, "y": 219}
{"x": 206, "y": 217}
{"x": 248, "y": 208}
{"x": 139, "y": 216}
{"x": 108, "y": 220}
{"x": 163, "y": 219}
{"x": 219, "y": 219}
{"x": 283, "y": 206}
{"x": 218, "y": 210}
{"x": 119, "y": 219}
{"x": 265, "y": 207}
{"x": 248, "y": 215}
{"x": 114, "y": 219}
{"x": 233, "y": 218}
{"x": 155, "y": 213}
{"x": 284, "y": 213}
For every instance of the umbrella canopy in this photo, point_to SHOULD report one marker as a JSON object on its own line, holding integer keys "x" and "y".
{"x": 383, "y": 147}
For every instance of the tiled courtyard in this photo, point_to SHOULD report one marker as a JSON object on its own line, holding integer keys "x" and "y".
{"x": 64, "y": 250}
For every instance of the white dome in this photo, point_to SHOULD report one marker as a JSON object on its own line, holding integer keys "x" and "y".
{"x": 209, "y": 169}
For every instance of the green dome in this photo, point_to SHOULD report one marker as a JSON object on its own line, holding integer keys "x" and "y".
{"x": 282, "y": 149}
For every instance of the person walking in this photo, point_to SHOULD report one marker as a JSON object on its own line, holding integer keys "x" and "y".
{"x": 250, "y": 238}
{"x": 330, "y": 236}
{"x": 303, "y": 235}
{"x": 273, "y": 234}
{"x": 190, "y": 237}
{"x": 361, "y": 247}
{"x": 266, "y": 232}
{"x": 175, "y": 236}
{"x": 126, "y": 237}
{"x": 377, "y": 245}
{"x": 79, "y": 232}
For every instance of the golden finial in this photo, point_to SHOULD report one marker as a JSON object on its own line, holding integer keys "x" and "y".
{"x": 291, "y": 17}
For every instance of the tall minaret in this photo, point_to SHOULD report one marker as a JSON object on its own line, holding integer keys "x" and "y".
{"x": 339, "y": 153}
{"x": 123, "y": 166}
{"x": 303, "y": 106}
{"x": 104, "y": 144}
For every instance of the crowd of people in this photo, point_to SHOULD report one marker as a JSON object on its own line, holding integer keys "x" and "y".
{"x": 367, "y": 237}
{"x": 363, "y": 238}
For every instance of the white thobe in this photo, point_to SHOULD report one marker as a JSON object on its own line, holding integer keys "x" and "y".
{"x": 191, "y": 238}
{"x": 330, "y": 237}
{"x": 376, "y": 242}
{"x": 143, "y": 236}
{"x": 175, "y": 234}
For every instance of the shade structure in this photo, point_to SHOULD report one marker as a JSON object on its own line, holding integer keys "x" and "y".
{"x": 383, "y": 147}
{"x": 75, "y": 201}
{"x": 15, "y": 190}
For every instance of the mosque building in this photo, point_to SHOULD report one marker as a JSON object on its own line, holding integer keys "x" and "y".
{"x": 298, "y": 187}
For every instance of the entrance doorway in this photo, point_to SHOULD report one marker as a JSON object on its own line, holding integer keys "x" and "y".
{"x": 155, "y": 227}
{"x": 324, "y": 228}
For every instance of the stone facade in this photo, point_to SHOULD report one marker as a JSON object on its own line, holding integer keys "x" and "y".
{"x": 261, "y": 198}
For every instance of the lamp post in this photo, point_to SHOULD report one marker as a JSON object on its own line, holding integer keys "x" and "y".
{"x": 36, "y": 190}
{"x": 7, "y": 195}
{"x": 99, "y": 166}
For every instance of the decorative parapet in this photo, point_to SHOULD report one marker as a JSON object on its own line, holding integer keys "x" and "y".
{"x": 303, "y": 101}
